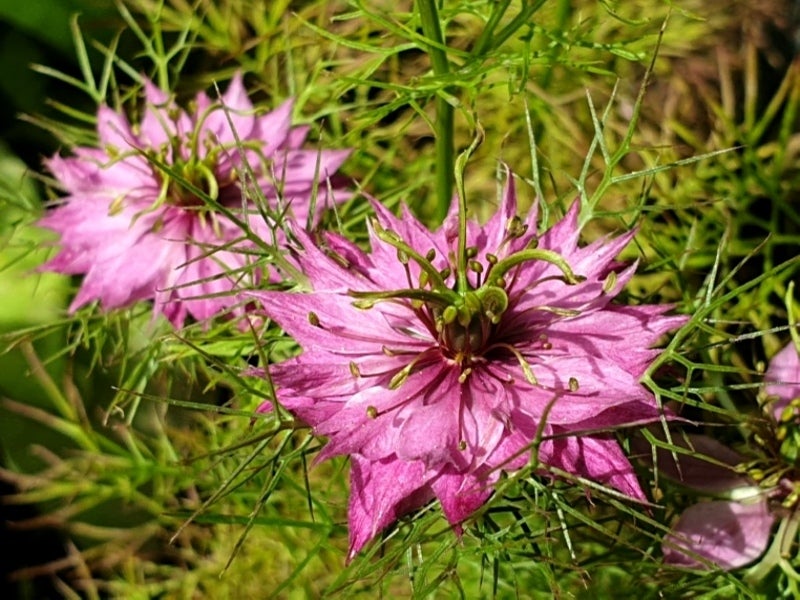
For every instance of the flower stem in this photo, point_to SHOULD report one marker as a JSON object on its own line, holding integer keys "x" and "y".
{"x": 461, "y": 254}
{"x": 444, "y": 125}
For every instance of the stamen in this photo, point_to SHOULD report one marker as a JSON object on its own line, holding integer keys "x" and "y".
{"x": 573, "y": 385}
{"x": 354, "y": 370}
{"x": 401, "y": 376}
{"x": 515, "y": 228}
{"x": 526, "y": 368}
{"x": 364, "y": 304}
{"x": 158, "y": 224}
{"x": 561, "y": 312}
{"x": 610, "y": 282}
{"x": 372, "y": 412}
{"x": 313, "y": 319}
{"x": 423, "y": 279}
{"x": 116, "y": 206}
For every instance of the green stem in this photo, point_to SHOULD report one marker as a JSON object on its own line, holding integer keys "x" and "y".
{"x": 485, "y": 39}
{"x": 445, "y": 153}
{"x": 523, "y": 18}
{"x": 460, "y": 165}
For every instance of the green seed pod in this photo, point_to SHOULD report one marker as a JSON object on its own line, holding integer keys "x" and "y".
{"x": 449, "y": 314}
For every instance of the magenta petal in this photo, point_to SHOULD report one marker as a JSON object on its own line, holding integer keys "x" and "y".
{"x": 596, "y": 458}
{"x": 380, "y": 493}
{"x": 728, "y": 534}
{"x": 461, "y": 494}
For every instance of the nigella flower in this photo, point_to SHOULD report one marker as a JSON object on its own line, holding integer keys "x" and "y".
{"x": 137, "y": 221}
{"x": 438, "y": 359}
{"x": 730, "y": 531}
{"x": 736, "y": 529}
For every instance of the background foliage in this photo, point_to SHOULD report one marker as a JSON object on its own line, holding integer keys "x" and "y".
{"x": 129, "y": 451}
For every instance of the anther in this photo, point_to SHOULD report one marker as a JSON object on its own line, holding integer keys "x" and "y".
{"x": 516, "y": 228}
{"x": 354, "y": 370}
{"x": 610, "y": 282}
{"x": 372, "y": 412}
{"x": 573, "y": 385}
{"x": 313, "y": 319}
{"x": 116, "y": 206}
{"x": 364, "y": 303}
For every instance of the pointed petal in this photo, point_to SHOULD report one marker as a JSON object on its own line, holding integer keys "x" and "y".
{"x": 461, "y": 494}
{"x": 597, "y": 458}
{"x": 380, "y": 493}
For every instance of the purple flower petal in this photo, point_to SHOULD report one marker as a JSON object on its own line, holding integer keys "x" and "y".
{"x": 728, "y": 534}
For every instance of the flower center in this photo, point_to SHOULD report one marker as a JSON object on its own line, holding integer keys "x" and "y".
{"x": 466, "y": 325}
{"x": 461, "y": 306}
{"x": 191, "y": 181}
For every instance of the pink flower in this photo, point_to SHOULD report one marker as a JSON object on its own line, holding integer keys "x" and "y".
{"x": 727, "y": 533}
{"x": 734, "y": 532}
{"x": 434, "y": 374}
{"x": 137, "y": 232}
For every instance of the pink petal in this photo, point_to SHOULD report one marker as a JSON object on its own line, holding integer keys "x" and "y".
{"x": 233, "y": 118}
{"x": 783, "y": 378}
{"x": 461, "y": 494}
{"x": 596, "y": 458}
{"x": 380, "y": 493}
{"x": 728, "y": 534}
{"x": 115, "y": 130}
